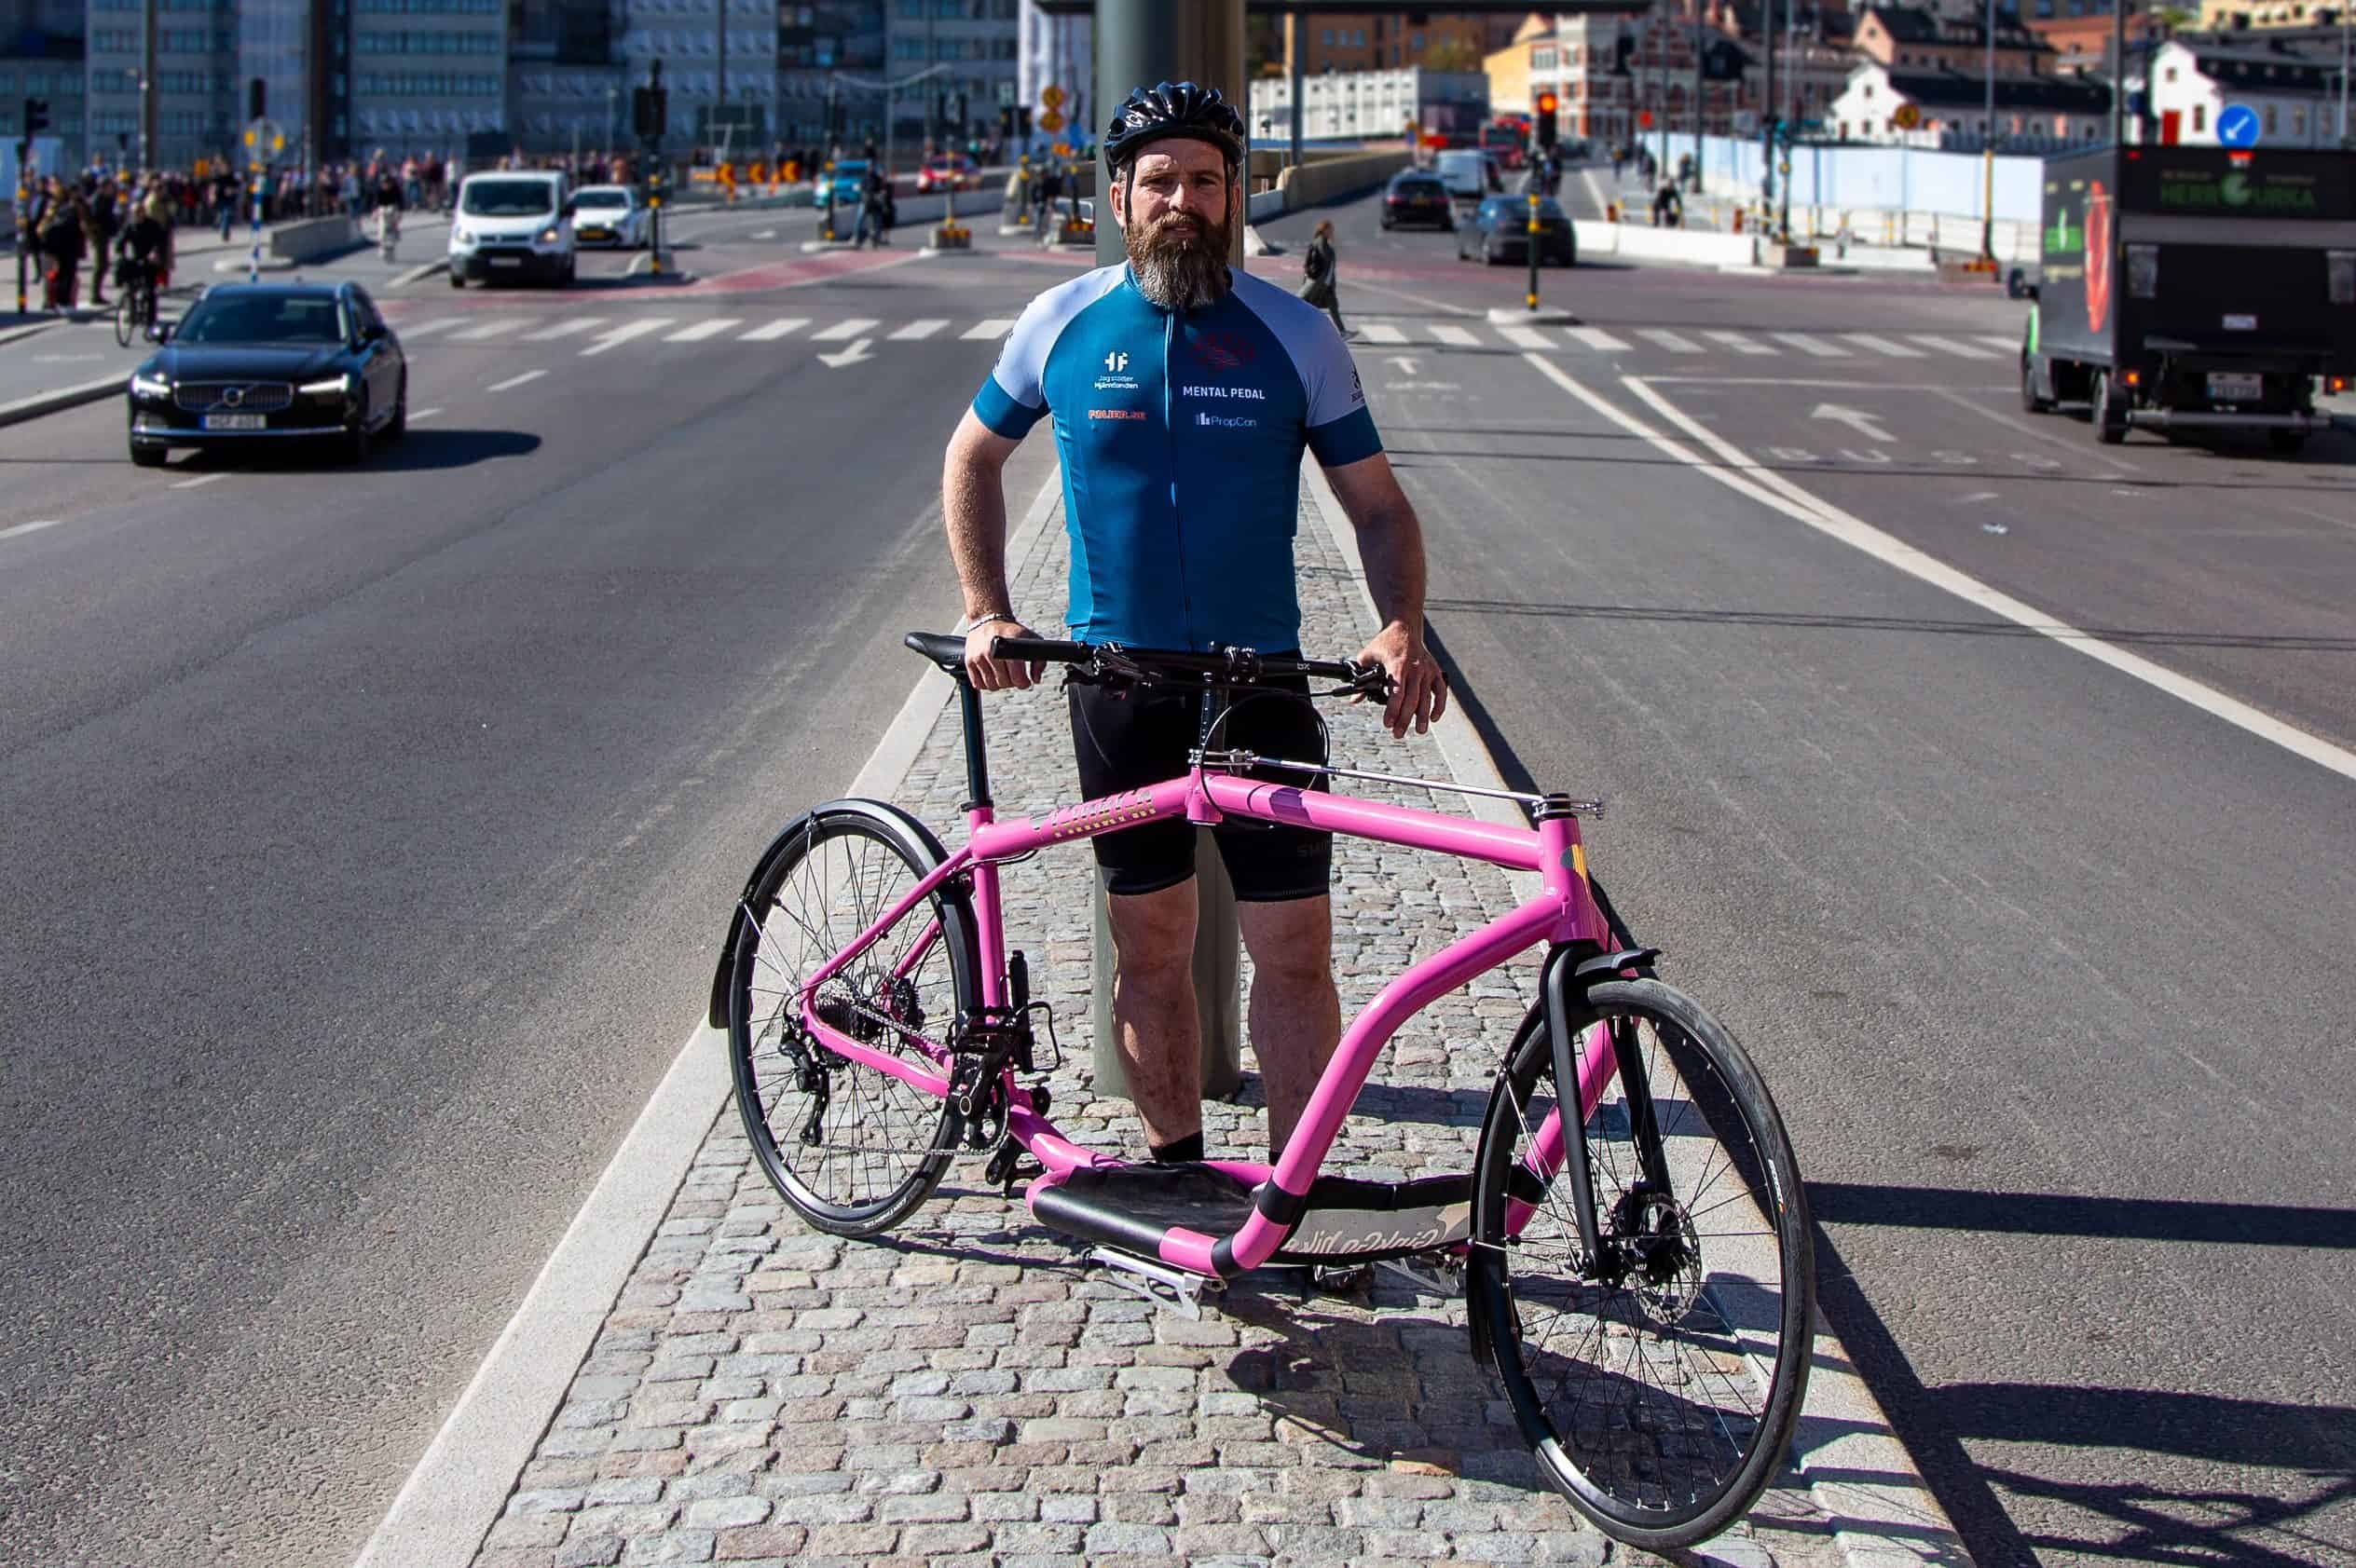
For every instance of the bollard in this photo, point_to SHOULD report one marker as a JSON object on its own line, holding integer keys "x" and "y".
{"x": 1218, "y": 981}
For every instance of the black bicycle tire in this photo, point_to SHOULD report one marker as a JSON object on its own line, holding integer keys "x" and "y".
{"x": 1489, "y": 1297}
{"x": 920, "y": 855}
{"x": 126, "y": 317}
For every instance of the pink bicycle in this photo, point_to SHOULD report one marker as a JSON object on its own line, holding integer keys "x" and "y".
{"x": 1639, "y": 1275}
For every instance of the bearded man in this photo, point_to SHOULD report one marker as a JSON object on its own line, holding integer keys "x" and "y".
{"x": 1183, "y": 395}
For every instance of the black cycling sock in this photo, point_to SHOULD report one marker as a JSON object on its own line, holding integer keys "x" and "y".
{"x": 1179, "y": 1151}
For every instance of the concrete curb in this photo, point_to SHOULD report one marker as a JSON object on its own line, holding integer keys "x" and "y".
{"x": 33, "y": 407}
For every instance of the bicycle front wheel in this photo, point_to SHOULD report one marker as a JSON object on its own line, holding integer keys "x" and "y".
{"x": 1658, "y": 1382}
{"x": 854, "y": 1149}
{"x": 126, "y": 317}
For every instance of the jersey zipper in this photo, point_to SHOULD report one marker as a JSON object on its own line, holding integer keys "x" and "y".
{"x": 1169, "y": 431}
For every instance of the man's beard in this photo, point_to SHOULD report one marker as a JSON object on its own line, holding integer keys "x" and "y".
{"x": 1180, "y": 260}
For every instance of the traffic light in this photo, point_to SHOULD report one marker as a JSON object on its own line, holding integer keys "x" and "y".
{"x": 254, "y": 98}
{"x": 650, "y": 112}
{"x": 36, "y": 115}
{"x": 1621, "y": 48}
{"x": 1547, "y": 104}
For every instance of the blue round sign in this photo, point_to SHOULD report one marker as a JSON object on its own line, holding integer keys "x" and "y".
{"x": 2238, "y": 126}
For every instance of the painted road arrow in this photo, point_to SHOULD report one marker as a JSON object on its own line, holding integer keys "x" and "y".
{"x": 855, "y": 354}
{"x": 1856, "y": 419}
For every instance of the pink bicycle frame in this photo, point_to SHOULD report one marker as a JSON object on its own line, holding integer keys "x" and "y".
{"x": 1564, "y": 911}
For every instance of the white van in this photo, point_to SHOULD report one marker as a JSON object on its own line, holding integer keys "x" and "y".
{"x": 512, "y": 225}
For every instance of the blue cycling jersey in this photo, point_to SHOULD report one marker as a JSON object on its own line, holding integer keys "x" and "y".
{"x": 1181, "y": 435}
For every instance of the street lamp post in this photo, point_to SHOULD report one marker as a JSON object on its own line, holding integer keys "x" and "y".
{"x": 1987, "y": 150}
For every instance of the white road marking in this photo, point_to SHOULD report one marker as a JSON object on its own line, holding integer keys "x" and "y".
{"x": 1525, "y": 338}
{"x": 500, "y": 328}
{"x": 1738, "y": 471}
{"x": 916, "y": 332}
{"x": 573, "y": 327}
{"x": 1950, "y": 345}
{"x": 1676, "y": 343}
{"x": 842, "y": 331}
{"x": 703, "y": 330}
{"x": 1380, "y": 331}
{"x": 514, "y": 381}
{"x": 990, "y": 330}
{"x": 1738, "y": 343}
{"x": 32, "y": 528}
{"x": 857, "y": 354}
{"x": 774, "y": 330}
{"x": 1884, "y": 345}
{"x": 200, "y": 478}
{"x": 2002, "y": 344}
{"x": 1443, "y": 332}
{"x": 623, "y": 335}
{"x": 1599, "y": 340}
{"x": 1808, "y": 345}
{"x": 440, "y": 323}
{"x": 418, "y": 414}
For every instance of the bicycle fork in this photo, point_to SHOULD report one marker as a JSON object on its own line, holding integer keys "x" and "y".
{"x": 1569, "y": 968}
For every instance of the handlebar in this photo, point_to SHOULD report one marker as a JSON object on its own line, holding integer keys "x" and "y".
{"x": 1222, "y": 667}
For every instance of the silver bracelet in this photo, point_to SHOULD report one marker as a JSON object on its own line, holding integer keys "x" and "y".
{"x": 973, "y": 621}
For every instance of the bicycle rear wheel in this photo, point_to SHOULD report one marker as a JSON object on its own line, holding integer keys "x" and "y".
{"x": 1658, "y": 1385}
{"x": 852, "y": 1148}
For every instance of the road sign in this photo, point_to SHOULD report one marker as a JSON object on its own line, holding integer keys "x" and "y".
{"x": 2236, "y": 125}
{"x": 1051, "y": 122}
{"x": 1052, "y": 96}
{"x": 263, "y": 140}
{"x": 1908, "y": 116}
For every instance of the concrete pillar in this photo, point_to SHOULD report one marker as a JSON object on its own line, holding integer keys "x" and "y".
{"x": 1139, "y": 43}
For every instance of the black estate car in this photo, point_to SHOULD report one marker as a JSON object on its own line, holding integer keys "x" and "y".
{"x": 1500, "y": 232}
{"x": 269, "y": 362}
{"x": 1413, "y": 196}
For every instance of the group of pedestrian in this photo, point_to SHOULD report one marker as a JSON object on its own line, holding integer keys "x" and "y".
{"x": 878, "y": 209}
{"x": 96, "y": 219}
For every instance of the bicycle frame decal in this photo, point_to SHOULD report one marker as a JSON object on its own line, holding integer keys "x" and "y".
{"x": 1563, "y": 911}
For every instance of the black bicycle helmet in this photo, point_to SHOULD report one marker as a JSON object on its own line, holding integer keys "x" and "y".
{"x": 1166, "y": 109}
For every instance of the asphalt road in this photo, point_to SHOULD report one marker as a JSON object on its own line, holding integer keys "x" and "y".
{"x": 2047, "y": 968}
{"x": 367, "y": 834}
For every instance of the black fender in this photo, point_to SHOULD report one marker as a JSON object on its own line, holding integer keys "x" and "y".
{"x": 957, "y": 915}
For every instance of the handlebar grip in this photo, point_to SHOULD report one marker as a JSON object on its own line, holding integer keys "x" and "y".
{"x": 1043, "y": 650}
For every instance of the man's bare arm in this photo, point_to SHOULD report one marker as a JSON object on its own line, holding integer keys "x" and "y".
{"x": 973, "y": 506}
{"x": 1390, "y": 541}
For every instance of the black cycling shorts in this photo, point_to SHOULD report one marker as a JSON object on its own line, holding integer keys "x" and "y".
{"x": 1142, "y": 738}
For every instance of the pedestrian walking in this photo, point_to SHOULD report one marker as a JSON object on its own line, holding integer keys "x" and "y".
{"x": 1317, "y": 276}
{"x": 102, "y": 226}
{"x": 64, "y": 239}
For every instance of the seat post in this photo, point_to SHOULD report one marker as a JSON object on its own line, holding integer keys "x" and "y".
{"x": 977, "y": 749}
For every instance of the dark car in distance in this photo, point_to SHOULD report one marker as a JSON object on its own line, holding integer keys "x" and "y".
{"x": 1413, "y": 196}
{"x": 266, "y": 364}
{"x": 1500, "y": 232}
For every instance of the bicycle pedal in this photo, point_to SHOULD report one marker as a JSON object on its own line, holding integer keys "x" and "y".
{"x": 1342, "y": 1279}
{"x": 1433, "y": 1279}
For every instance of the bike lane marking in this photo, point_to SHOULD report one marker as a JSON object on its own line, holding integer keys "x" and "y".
{"x": 1738, "y": 470}
{"x": 623, "y": 335}
{"x": 32, "y": 528}
{"x": 461, "y": 1484}
{"x": 514, "y": 381}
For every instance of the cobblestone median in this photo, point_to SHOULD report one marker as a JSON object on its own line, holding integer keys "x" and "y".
{"x": 961, "y": 1393}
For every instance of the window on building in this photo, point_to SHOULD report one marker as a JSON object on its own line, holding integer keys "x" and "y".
{"x": 1328, "y": 39}
{"x": 2298, "y": 120}
{"x": 2200, "y": 116}
{"x": 2270, "y": 117}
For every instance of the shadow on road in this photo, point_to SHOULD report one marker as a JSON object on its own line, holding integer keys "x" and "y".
{"x": 423, "y": 450}
{"x": 1805, "y": 621}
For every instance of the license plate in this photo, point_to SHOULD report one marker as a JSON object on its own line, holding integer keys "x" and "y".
{"x": 2241, "y": 323}
{"x": 2236, "y": 387}
{"x": 597, "y": 234}
{"x": 235, "y": 422}
{"x": 507, "y": 261}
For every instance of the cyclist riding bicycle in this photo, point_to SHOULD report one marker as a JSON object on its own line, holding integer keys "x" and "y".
{"x": 384, "y": 198}
{"x": 1184, "y": 394}
{"x": 139, "y": 250}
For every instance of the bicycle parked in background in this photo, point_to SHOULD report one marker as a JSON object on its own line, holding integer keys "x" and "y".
{"x": 1633, "y": 1239}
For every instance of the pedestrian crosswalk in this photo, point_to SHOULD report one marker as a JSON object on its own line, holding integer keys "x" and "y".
{"x": 1693, "y": 346}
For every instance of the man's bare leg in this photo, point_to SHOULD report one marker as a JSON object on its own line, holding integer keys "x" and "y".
{"x": 1159, "y": 1036}
{"x": 1296, "y": 1011}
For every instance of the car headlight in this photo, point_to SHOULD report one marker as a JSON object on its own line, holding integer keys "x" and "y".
{"x": 143, "y": 386}
{"x": 549, "y": 234}
{"x": 459, "y": 236}
{"x": 333, "y": 386}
